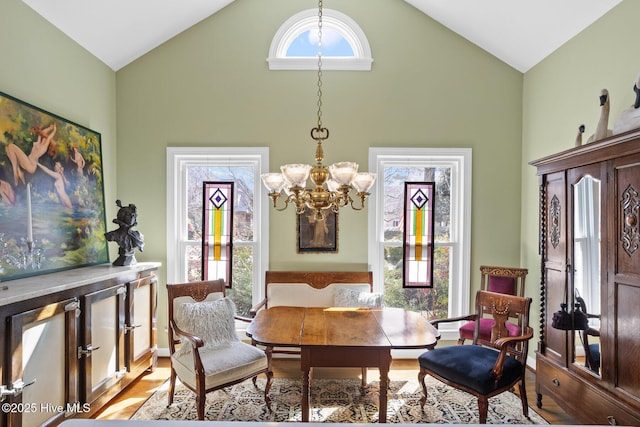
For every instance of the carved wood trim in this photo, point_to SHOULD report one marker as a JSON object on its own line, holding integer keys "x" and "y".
{"x": 542, "y": 248}
{"x": 318, "y": 279}
{"x": 630, "y": 209}
{"x": 554, "y": 213}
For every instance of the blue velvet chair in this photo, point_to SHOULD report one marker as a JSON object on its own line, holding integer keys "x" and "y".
{"x": 504, "y": 280}
{"x": 487, "y": 367}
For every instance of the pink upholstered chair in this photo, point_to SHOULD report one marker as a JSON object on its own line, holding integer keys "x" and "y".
{"x": 503, "y": 280}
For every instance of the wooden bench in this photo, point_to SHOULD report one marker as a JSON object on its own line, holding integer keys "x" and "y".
{"x": 310, "y": 288}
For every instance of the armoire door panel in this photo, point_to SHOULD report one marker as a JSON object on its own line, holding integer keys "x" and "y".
{"x": 555, "y": 262}
{"x": 627, "y": 336}
{"x": 556, "y": 339}
{"x": 556, "y": 212}
{"x": 627, "y": 178}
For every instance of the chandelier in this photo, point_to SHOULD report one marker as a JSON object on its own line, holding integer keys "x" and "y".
{"x": 331, "y": 185}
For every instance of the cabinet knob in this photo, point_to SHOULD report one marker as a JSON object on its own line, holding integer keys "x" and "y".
{"x": 612, "y": 420}
{"x": 556, "y": 382}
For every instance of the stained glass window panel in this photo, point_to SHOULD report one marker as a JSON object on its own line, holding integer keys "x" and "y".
{"x": 418, "y": 234}
{"x": 218, "y": 230}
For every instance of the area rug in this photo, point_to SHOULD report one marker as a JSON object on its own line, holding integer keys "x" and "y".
{"x": 336, "y": 400}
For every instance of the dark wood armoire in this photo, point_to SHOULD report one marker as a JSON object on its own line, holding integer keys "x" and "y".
{"x": 588, "y": 357}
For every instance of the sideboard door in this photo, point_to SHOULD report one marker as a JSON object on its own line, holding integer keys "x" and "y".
{"x": 140, "y": 329}
{"x": 101, "y": 351}
{"x": 44, "y": 369}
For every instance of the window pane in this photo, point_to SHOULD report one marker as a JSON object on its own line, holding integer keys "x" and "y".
{"x": 333, "y": 44}
{"x": 394, "y": 179}
{"x": 243, "y": 177}
{"x": 194, "y": 262}
{"x": 241, "y": 291}
{"x": 433, "y": 302}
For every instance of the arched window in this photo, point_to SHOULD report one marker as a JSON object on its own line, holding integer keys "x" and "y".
{"x": 345, "y": 47}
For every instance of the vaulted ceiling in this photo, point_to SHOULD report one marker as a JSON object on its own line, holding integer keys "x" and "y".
{"x": 519, "y": 32}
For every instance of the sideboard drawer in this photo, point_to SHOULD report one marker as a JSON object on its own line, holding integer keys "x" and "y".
{"x": 590, "y": 405}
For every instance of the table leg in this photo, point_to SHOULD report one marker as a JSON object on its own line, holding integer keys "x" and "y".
{"x": 385, "y": 365}
{"x": 305, "y": 395}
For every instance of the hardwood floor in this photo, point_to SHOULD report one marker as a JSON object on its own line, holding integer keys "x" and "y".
{"x": 125, "y": 405}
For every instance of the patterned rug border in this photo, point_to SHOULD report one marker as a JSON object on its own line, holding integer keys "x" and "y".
{"x": 336, "y": 400}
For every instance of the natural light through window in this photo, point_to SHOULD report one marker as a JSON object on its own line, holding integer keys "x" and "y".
{"x": 344, "y": 44}
{"x": 450, "y": 171}
{"x": 187, "y": 169}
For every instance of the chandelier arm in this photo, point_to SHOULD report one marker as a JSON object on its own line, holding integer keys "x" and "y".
{"x": 275, "y": 197}
{"x": 363, "y": 196}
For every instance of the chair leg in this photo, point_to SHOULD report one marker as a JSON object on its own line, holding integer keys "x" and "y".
{"x": 460, "y": 341}
{"x": 421, "y": 376}
{"x": 363, "y": 384}
{"x": 523, "y": 398}
{"x": 483, "y": 409}
{"x": 269, "y": 374}
{"x": 201, "y": 397}
{"x": 200, "y": 406}
{"x": 172, "y": 386}
{"x": 267, "y": 389}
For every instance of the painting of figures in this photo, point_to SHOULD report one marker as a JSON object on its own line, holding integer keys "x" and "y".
{"x": 52, "y": 214}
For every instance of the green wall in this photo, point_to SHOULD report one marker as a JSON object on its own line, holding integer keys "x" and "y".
{"x": 561, "y": 93}
{"x": 42, "y": 66}
{"x": 428, "y": 87}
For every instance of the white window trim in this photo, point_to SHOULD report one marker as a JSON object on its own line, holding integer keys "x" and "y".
{"x": 378, "y": 157}
{"x": 308, "y": 19}
{"x": 177, "y": 160}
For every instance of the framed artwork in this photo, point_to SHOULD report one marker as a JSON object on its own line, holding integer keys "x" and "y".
{"x": 217, "y": 230}
{"x": 52, "y": 211}
{"x": 317, "y": 236}
{"x": 418, "y": 238}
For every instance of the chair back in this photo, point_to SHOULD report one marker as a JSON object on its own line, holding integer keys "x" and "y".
{"x": 180, "y": 293}
{"x": 502, "y": 307}
{"x": 504, "y": 280}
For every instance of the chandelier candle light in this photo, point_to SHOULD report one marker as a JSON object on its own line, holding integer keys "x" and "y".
{"x": 331, "y": 184}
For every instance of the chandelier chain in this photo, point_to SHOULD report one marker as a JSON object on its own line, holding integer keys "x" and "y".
{"x": 319, "y": 65}
{"x": 331, "y": 185}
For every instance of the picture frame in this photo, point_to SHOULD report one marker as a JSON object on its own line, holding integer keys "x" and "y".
{"x": 52, "y": 208}
{"x": 317, "y": 237}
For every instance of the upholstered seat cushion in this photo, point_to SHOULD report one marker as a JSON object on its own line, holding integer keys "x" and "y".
{"x": 470, "y": 366}
{"x": 467, "y": 330}
{"x": 222, "y": 364}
